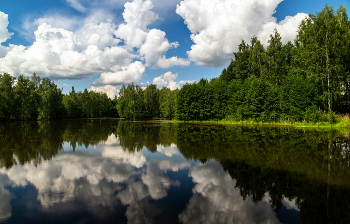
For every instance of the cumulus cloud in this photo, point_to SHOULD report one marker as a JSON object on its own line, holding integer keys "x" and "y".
{"x": 152, "y": 43}
{"x": 173, "y": 61}
{"x": 218, "y": 27}
{"x": 79, "y": 47}
{"x": 59, "y": 53}
{"x": 4, "y": 22}
{"x": 110, "y": 90}
{"x": 168, "y": 80}
{"x": 154, "y": 48}
{"x": 137, "y": 16}
{"x": 216, "y": 200}
{"x": 288, "y": 28}
{"x": 122, "y": 74}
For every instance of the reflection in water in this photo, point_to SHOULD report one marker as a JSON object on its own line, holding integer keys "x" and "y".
{"x": 216, "y": 200}
{"x": 100, "y": 183}
{"x": 5, "y": 199}
{"x": 145, "y": 173}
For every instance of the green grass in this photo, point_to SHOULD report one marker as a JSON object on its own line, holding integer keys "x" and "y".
{"x": 341, "y": 121}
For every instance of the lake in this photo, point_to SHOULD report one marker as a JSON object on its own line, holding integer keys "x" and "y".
{"x": 113, "y": 171}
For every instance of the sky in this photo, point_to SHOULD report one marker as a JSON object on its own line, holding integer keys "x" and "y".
{"x": 102, "y": 44}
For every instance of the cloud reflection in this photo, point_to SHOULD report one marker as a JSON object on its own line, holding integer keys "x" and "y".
{"x": 5, "y": 199}
{"x": 168, "y": 151}
{"x": 216, "y": 200}
{"x": 116, "y": 177}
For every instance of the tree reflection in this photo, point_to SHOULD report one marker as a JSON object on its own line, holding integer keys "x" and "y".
{"x": 322, "y": 155}
{"x": 29, "y": 142}
{"x": 22, "y": 142}
{"x": 309, "y": 166}
{"x": 134, "y": 136}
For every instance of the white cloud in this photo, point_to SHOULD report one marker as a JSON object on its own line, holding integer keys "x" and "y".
{"x": 288, "y": 28}
{"x": 137, "y": 16}
{"x": 218, "y": 26}
{"x": 186, "y": 81}
{"x": 30, "y": 25}
{"x": 60, "y": 53}
{"x": 119, "y": 75}
{"x": 111, "y": 91}
{"x": 154, "y": 48}
{"x": 160, "y": 6}
{"x": 79, "y": 47}
{"x": 152, "y": 43}
{"x": 173, "y": 61}
{"x": 216, "y": 200}
{"x": 168, "y": 80}
{"x": 4, "y": 22}
{"x": 77, "y": 5}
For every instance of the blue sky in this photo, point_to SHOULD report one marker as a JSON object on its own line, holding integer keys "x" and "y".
{"x": 102, "y": 44}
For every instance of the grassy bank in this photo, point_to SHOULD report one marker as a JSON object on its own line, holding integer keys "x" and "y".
{"x": 340, "y": 121}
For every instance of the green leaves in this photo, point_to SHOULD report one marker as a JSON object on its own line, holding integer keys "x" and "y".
{"x": 323, "y": 53}
{"x": 41, "y": 99}
{"x": 7, "y": 105}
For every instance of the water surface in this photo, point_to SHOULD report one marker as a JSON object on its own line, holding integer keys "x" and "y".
{"x": 112, "y": 171}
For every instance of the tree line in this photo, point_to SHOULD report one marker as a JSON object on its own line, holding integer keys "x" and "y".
{"x": 39, "y": 99}
{"x": 307, "y": 80}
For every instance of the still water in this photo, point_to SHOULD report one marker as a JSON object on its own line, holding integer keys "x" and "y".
{"x": 112, "y": 171}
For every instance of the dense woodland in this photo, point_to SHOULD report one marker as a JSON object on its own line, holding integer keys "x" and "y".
{"x": 304, "y": 81}
{"x": 33, "y": 99}
{"x": 307, "y": 80}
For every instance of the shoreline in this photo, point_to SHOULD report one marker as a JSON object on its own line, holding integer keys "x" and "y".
{"x": 269, "y": 124}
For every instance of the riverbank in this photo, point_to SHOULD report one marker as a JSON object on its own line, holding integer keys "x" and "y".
{"x": 342, "y": 121}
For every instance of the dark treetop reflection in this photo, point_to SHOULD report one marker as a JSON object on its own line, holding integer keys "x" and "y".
{"x": 111, "y": 171}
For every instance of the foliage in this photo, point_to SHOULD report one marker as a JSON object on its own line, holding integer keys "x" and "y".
{"x": 305, "y": 82}
{"x": 302, "y": 82}
{"x": 33, "y": 99}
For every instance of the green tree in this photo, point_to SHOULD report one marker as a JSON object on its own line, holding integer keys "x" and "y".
{"x": 72, "y": 104}
{"x": 167, "y": 101}
{"x": 51, "y": 100}
{"x": 258, "y": 60}
{"x": 322, "y": 41}
{"x": 242, "y": 68}
{"x": 7, "y": 104}
{"x": 26, "y": 98}
{"x": 151, "y": 101}
{"x": 276, "y": 59}
{"x": 297, "y": 95}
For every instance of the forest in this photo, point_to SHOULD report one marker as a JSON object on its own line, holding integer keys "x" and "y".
{"x": 304, "y": 81}
{"x": 307, "y": 80}
{"x": 36, "y": 99}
